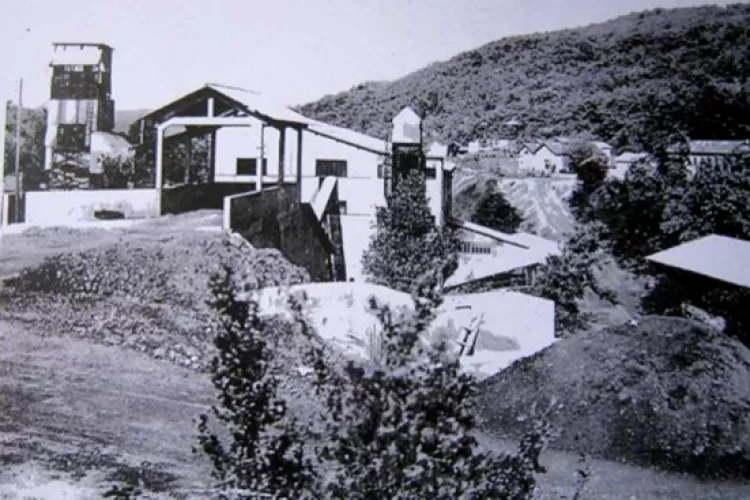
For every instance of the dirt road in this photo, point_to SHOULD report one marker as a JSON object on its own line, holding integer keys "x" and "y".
{"x": 74, "y": 407}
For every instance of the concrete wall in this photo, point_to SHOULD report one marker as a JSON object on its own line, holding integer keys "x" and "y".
{"x": 181, "y": 199}
{"x": 64, "y": 207}
{"x": 274, "y": 218}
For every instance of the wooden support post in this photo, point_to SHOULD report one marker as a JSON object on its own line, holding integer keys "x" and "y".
{"x": 211, "y": 156}
{"x": 282, "y": 146}
{"x": 159, "y": 164}
{"x": 299, "y": 163}
{"x": 188, "y": 156}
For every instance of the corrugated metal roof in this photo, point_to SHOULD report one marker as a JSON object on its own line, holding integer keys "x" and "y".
{"x": 712, "y": 147}
{"x": 523, "y": 250}
{"x": 525, "y": 240}
{"x": 630, "y": 157}
{"x": 260, "y": 104}
{"x": 719, "y": 257}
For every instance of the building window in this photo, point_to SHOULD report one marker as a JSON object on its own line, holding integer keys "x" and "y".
{"x": 431, "y": 173}
{"x": 71, "y": 137}
{"x": 328, "y": 168}
{"x": 249, "y": 166}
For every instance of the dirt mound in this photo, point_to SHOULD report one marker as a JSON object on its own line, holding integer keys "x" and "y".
{"x": 667, "y": 392}
{"x": 148, "y": 293}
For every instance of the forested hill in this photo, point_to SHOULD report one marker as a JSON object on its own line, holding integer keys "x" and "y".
{"x": 687, "y": 69}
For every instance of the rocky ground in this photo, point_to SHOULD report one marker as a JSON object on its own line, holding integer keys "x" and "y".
{"x": 667, "y": 392}
{"x": 77, "y": 418}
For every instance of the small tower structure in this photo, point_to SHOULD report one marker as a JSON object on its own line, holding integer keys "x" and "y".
{"x": 80, "y": 102}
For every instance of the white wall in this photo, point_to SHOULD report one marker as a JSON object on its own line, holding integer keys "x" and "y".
{"x": 362, "y": 190}
{"x": 65, "y": 207}
{"x": 536, "y": 162}
{"x": 435, "y": 191}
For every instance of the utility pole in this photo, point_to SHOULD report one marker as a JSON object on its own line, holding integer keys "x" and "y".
{"x": 3, "y": 115}
{"x": 18, "y": 151}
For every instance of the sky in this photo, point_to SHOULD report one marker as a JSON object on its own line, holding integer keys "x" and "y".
{"x": 294, "y": 51}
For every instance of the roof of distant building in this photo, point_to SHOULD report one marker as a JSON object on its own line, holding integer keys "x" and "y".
{"x": 630, "y": 157}
{"x": 517, "y": 251}
{"x": 714, "y": 147}
{"x": 437, "y": 150}
{"x": 719, "y": 257}
{"x": 256, "y": 103}
{"x": 558, "y": 147}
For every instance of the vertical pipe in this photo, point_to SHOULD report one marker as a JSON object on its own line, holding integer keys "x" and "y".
{"x": 282, "y": 144}
{"x": 299, "y": 163}
{"x": 18, "y": 150}
{"x": 260, "y": 172}
{"x": 3, "y": 116}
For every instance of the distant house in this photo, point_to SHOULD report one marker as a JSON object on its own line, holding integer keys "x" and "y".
{"x": 552, "y": 156}
{"x": 606, "y": 149}
{"x": 474, "y": 147}
{"x": 710, "y": 153}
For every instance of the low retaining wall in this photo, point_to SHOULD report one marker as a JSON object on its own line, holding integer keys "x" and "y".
{"x": 181, "y": 199}
{"x": 65, "y": 207}
{"x": 275, "y": 218}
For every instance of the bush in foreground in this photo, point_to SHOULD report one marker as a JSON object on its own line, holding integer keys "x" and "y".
{"x": 397, "y": 427}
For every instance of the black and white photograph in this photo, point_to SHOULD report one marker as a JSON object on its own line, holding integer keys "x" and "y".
{"x": 375, "y": 250}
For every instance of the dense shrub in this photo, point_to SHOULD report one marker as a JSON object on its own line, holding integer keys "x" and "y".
{"x": 565, "y": 278}
{"x": 407, "y": 243}
{"x": 397, "y": 426}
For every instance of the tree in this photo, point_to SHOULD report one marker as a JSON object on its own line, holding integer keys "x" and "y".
{"x": 632, "y": 211}
{"x": 565, "y": 278}
{"x": 399, "y": 426}
{"x": 659, "y": 206}
{"x": 494, "y": 211}
{"x": 117, "y": 171}
{"x": 403, "y": 428}
{"x": 590, "y": 166}
{"x": 124, "y": 172}
{"x": 407, "y": 243}
{"x": 33, "y": 127}
{"x": 266, "y": 454}
{"x": 715, "y": 201}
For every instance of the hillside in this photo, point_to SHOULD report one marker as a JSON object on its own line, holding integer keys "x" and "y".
{"x": 606, "y": 79}
{"x": 542, "y": 202}
{"x": 126, "y": 117}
